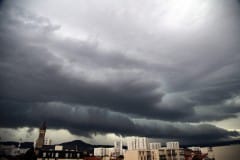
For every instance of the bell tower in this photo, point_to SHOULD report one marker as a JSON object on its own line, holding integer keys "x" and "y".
{"x": 41, "y": 137}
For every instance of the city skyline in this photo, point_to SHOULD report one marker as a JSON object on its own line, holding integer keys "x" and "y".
{"x": 100, "y": 70}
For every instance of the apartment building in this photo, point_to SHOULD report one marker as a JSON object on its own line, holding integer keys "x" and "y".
{"x": 137, "y": 155}
{"x": 154, "y": 146}
{"x": 167, "y": 154}
{"x": 138, "y": 143}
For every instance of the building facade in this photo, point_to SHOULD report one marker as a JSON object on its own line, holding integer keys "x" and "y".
{"x": 172, "y": 145}
{"x": 60, "y": 153}
{"x": 47, "y": 141}
{"x": 104, "y": 152}
{"x": 167, "y": 154}
{"x": 99, "y": 152}
{"x": 138, "y": 143}
{"x": 138, "y": 150}
{"x": 118, "y": 148}
{"x": 137, "y": 155}
{"x": 154, "y": 146}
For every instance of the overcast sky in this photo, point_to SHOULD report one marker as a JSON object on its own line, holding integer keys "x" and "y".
{"x": 96, "y": 70}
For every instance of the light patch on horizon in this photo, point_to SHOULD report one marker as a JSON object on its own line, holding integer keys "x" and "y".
{"x": 229, "y": 124}
{"x": 31, "y": 134}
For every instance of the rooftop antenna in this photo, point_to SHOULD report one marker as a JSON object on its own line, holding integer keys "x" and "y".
{"x": 19, "y": 144}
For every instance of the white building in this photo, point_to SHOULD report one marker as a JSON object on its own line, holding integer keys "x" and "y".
{"x": 167, "y": 154}
{"x": 137, "y": 155}
{"x": 154, "y": 146}
{"x": 99, "y": 152}
{"x": 138, "y": 143}
{"x": 118, "y": 147}
{"x": 154, "y": 151}
{"x": 172, "y": 145}
{"x": 103, "y": 152}
{"x": 195, "y": 149}
{"x": 47, "y": 141}
{"x": 58, "y": 148}
{"x": 110, "y": 152}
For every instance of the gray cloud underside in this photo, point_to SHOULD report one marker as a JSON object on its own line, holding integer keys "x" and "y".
{"x": 41, "y": 71}
{"x": 86, "y": 121}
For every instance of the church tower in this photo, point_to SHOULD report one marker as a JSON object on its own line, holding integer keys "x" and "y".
{"x": 41, "y": 137}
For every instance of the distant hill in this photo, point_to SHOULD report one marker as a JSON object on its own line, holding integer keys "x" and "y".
{"x": 78, "y": 144}
{"x": 81, "y": 145}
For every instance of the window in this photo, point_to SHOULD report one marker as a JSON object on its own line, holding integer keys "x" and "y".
{"x": 56, "y": 155}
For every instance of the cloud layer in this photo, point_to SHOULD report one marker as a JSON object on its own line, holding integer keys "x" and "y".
{"x": 121, "y": 71}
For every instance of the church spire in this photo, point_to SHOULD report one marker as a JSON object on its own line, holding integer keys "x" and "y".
{"x": 43, "y": 125}
{"x": 41, "y": 137}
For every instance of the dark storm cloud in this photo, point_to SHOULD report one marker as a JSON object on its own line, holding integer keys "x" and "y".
{"x": 76, "y": 83}
{"x": 85, "y": 121}
{"x": 39, "y": 77}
